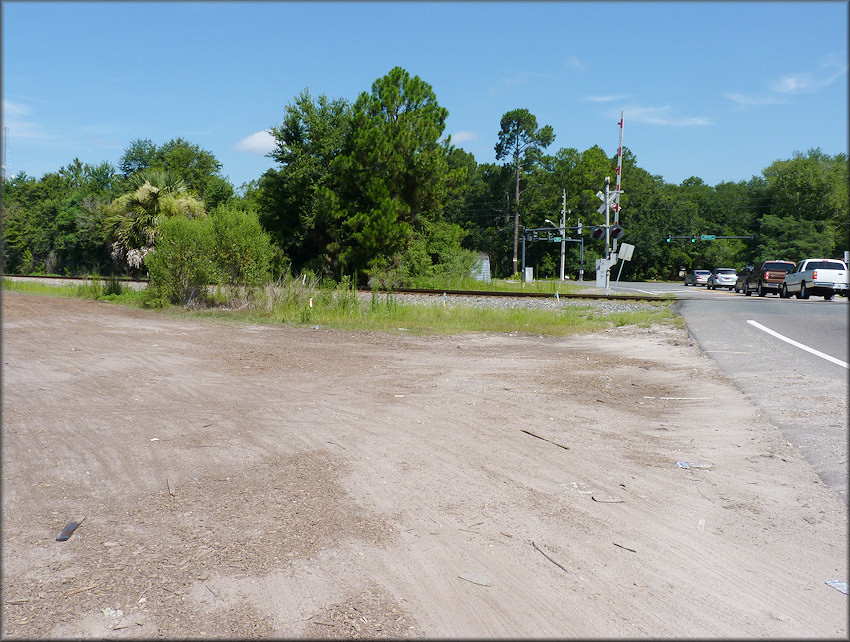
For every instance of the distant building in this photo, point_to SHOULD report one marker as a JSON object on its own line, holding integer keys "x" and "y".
{"x": 481, "y": 271}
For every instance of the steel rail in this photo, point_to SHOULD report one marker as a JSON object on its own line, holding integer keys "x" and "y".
{"x": 519, "y": 295}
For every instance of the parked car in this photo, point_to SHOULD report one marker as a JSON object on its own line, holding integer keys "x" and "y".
{"x": 768, "y": 276}
{"x": 739, "y": 283}
{"x": 697, "y": 277}
{"x": 721, "y": 278}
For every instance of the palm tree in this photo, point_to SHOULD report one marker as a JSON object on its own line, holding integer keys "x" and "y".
{"x": 133, "y": 219}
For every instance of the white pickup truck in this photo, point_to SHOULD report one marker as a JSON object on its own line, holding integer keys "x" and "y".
{"x": 821, "y": 277}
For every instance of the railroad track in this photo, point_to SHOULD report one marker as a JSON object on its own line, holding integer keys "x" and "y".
{"x": 536, "y": 295}
{"x": 142, "y": 283}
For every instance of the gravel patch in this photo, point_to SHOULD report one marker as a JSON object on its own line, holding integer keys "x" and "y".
{"x": 496, "y": 302}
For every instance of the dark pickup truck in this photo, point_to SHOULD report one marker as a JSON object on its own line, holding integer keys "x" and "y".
{"x": 768, "y": 276}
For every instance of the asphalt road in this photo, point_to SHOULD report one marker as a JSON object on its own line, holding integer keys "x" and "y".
{"x": 801, "y": 387}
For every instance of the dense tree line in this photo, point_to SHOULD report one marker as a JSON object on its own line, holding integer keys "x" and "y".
{"x": 374, "y": 188}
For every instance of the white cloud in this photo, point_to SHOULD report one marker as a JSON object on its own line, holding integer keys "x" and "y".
{"x": 16, "y": 118}
{"x": 603, "y": 99}
{"x": 753, "y": 100}
{"x": 830, "y": 69}
{"x": 259, "y": 143}
{"x": 521, "y": 79}
{"x": 459, "y": 137}
{"x": 660, "y": 116}
{"x": 791, "y": 84}
{"x": 14, "y": 110}
{"x": 833, "y": 66}
{"x": 573, "y": 63}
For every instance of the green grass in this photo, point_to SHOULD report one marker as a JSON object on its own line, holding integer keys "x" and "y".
{"x": 287, "y": 302}
{"x": 111, "y": 290}
{"x": 32, "y": 287}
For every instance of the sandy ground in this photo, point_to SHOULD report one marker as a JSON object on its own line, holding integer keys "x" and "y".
{"x": 257, "y": 481}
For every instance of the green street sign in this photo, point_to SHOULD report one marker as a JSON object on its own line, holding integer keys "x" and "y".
{"x": 557, "y": 239}
{"x": 707, "y": 237}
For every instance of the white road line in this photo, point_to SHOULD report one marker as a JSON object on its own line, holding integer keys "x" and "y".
{"x": 798, "y": 345}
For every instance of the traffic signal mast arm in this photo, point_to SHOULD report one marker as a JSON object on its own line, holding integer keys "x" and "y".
{"x": 549, "y": 234}
{"x": 693, "y": 238}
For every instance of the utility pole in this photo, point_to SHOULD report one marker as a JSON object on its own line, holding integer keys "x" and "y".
{"x": 607, "y": 218}
{"x": 516, "y": 219}
{"x": 563, "y": 232}
{"x": 5, "y": 145}
{"x": 581, "y": 254}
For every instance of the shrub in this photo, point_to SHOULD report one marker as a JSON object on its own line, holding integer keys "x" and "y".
{"x": 92, "y": 289}
{"x": 181, "y": 265}
{"x": 229, "y": 248}
{"x": 243, "y": 252}
{"x": 112, "y": 286}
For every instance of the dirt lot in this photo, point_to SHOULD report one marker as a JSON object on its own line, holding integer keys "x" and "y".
{"x": 253, "y": 481}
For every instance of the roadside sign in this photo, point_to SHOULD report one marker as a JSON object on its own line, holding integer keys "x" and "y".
{"x": 707, "y": 237}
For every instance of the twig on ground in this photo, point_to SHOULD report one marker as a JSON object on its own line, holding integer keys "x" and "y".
{"x": 563, "y": 568}
{"x": 528, "y": 432}
{"x": 80, "y": 590}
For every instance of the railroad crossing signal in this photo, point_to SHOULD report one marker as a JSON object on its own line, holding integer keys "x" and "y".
{"x": 615, "y": 232}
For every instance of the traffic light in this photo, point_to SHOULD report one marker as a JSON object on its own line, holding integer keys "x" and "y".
{"x": 668, "y": 238}
{"x": 598, "y": 233}
{"x": 616, "y": 232}
{"x": 693, "y": 239}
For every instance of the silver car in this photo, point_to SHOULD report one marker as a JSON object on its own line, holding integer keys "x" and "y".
{"x": 722, "y": 278}
{"x": 697, "y": 277}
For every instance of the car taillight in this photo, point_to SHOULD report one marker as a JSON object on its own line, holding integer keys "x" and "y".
{"x": 815, "y": 274}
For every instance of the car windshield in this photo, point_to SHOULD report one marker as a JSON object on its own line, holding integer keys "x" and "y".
{"x": 778, "y": 265}
{"x": 725, "y": 271}
{"x": 825, "y": 265}
{"x": 701, "y": 272}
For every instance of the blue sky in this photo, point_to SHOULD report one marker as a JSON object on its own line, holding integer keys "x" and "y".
{"x": 717, "y": 90}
